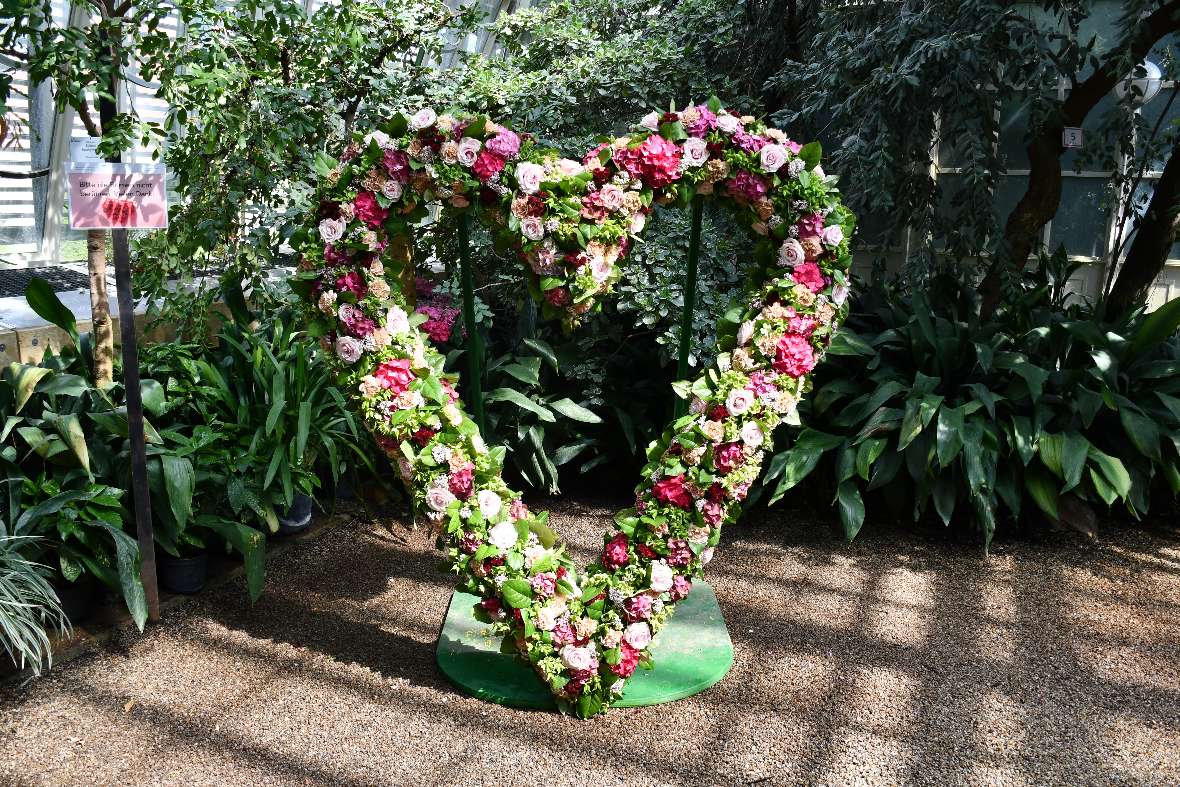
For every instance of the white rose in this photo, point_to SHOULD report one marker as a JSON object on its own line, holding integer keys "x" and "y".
{"x": 547, "y": 618}
{"x": 819, "y": 171}
{"x": 651, "y": 121}
{"x": 661, "y": 576}
{"x": 489, "y": 503}
{"x": 579, "y": 659}
{"x": 469, "y": 150}
{"x": 696, "y": 152}
{"x": 532, "y": 227}
{"x": 438, "y": 498}
{"x": 739, "y": 401}
{"x": 832, "y": 235}
{"x": 422, "y": 118}
{"x": 839, "y": 294}
{"x": 533, "y": 554}
{"x": 791, "y": 254}
{"x": 752, "y": 434}
{"x": 745, "y": 333}
{"x": 638, "y": 222}
{"x": 503, "y": 536}
{"x": 637, "y": 635}
{"x": 772, "y": 157}
{"x": 706, "y": 555}
{"x": 397, "y": 322}
{"x": 380, "y": 137}
{"x": 600, "y": 269}
{"x": 529, "y": 177}
{"x": 728, "y": 123}
{"x": 332, "y": 230}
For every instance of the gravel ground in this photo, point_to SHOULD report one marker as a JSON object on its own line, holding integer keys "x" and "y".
{"x": 895, "y": 660}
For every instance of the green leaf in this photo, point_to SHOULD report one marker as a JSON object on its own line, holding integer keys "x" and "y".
{"x": 250, "y": 544}
{"x": 813, "y": 439}
{"x": 542, "y": 349}
{"x": 949, "y": 434}
{"x": 527, "y": 373}
{"x": 44, "y": 301}
{"x": 800, "y": 462}
{"x": 1022, "y": 434}
{"x": 24, "y": 379}
{"x": 846, "y": 342}
{"x": 70, "y": 429}
{"x": 521, "y": 401}
{"x": 517, "y": 593}
{"x": 1157, "y": 327}
{"x": 852, "y": 509}
{"x": 1112, "y": 470}
{"x": 179, "y": 483}
{"x": 575, "y": 411}
{"x": 303, "y": 426}
{"x": 867, "y": 453}
{"x": 811, "y": 153}
{"x": 152, "y": 394}
{"x": 1144, "y": 433}
{"x": 918, "y": 413}
{"x": 128, "y": 560}
{"x": 1043, "y": 489}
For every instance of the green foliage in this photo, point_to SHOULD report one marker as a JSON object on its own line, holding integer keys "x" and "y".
{"x": 29, "y": 607}
{"x": 931, "y": 409}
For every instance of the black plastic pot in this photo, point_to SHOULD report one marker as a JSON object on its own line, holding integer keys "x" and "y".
{"x": 77, "y": 598}
{"x": 297, "y": 517}
{"x": 183, "y": 574}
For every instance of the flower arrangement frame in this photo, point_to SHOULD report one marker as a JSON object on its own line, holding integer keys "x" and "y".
{"x": 572, "y": 223}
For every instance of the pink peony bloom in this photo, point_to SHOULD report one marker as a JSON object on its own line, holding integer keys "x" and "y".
{"x": 794, "y": 356}
{"x": 727, "y": 457}
{"x": 615, "y": 555}
{"x": 671, "y": 490}
{"x": 808, "y": 274}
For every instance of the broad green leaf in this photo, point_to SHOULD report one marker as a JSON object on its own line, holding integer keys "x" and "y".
{"x": 918, "y": 413}
{"x": 70, "y": 429}
{"x": 846, "y": 342}
{"x": 798, "y": 465}
{"x": 542, "y": 349}
{"x": 44, "y": 301}
{"x": 575, "y": 411}
{"x": 1113, "y": 471}
{"x": 517, "y": 593}
{"x": 867, "y": 453}
{"x": 1144, "y": 433}
{"x": 24, "y": 379}
{"x": 949, "y": 435}
{"x": 128, "y": 560}
{"x": 303, "y": 426}
{"x": 1043, "y": 490}
{"x": 521, "y": 401}
{"x": 179, "y": 484}
{"x": 152, "y": 394}
{"x": 250, "y": 544}
{"x": 852, "y": 509}
{"x": 1158, "y": 325}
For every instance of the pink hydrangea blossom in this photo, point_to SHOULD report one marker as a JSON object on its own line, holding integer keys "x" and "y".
{"x": 615, "y": 555}
{"x": 794, "y": 356}
{"x": 671, "y": 490}
{"x": 809, "y": 275}
{"x": 352, "y": 282}
{"x": 506, "y": 144}
{"x": 487, "y": 165}
{"x": 727, "y": 457}
{"x": 746, "y": 185}
{"x": 656, "y": 161}
{"x": 637, "y": 607}
{"x": 395, "y": 375}
{"x": 462, "y": 481}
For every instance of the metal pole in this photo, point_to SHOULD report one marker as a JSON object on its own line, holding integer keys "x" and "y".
{"x": 690, "y": 300}
{"x": 139, "y": 483}
{"x": 474, "y": 382}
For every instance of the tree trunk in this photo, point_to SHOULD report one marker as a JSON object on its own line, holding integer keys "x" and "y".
{"x": 1153, "y": 238}
{"x": 102, "y": 333}
{"x": 1043, "y": 196}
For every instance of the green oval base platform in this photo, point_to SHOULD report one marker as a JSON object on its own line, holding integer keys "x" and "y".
{"x": 691, "y": 653}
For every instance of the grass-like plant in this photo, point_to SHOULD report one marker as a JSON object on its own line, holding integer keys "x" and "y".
{"x": 29, "y": 608}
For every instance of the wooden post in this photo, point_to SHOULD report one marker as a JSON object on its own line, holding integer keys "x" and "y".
{"x": 139, "y": 482}
{"x": 690, "y": 301}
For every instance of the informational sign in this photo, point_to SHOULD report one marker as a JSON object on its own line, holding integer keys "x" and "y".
{"x": 117, "y": 196}
{"x": 84, "y": 150}
{"x": 1071, "y": 137}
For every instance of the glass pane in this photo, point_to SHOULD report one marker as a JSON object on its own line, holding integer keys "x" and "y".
{"x": 1080, "y": 222}
{"x": 1167, "y": 104}
{"x": 1009, "y": 191}
{"x": 1013, "y": 133}
{"x": 1102, "y": 23}
{"x": 1095, "y": 150}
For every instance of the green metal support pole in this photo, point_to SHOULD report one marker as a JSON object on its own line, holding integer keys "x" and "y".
{"x": 474, "y": 381}
{"x": 690, "y": 300}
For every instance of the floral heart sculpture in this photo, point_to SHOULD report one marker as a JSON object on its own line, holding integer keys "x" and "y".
{"x": 584, "y": 632}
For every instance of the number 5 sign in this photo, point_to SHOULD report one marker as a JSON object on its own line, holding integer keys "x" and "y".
{"x": 1071, "y": 138}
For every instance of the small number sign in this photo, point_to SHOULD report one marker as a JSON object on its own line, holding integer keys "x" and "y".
{"x": 1071, "y": 138}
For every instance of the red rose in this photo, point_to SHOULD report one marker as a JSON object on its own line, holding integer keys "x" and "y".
{"x": 462, "y": 481}
{"x": 369, "y": 210}
{"x": 423, "y": 436}
{"x": 628, "y": 661}
{"x": 718, "y": 412}
{"x": 558, "y": 296}
{"x": 645, "y": 551}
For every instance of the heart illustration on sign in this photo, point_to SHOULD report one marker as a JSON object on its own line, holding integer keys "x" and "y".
{"x": 573, "y": 221}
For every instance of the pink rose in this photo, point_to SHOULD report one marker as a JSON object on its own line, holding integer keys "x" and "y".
{"x": 469, "y": 150}
{"x": 637, "y": 635}
{"x": 637, "y": 607}
{"x": 681, "y": 586}
{"x": 772, "y": 157}
{"x": 369, "y": 210}
{"x": 529, "y": 177}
